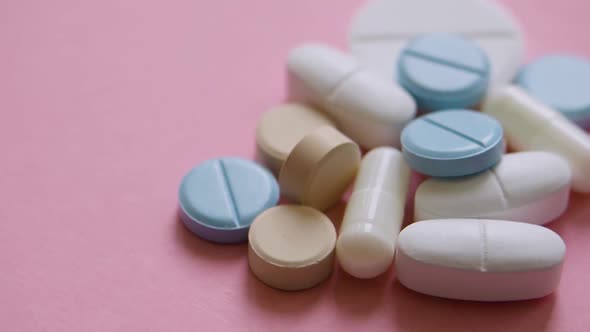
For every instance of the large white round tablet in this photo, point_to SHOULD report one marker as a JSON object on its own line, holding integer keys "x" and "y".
{"x": 381, "y": 29}
{"x": 479, "y": 260}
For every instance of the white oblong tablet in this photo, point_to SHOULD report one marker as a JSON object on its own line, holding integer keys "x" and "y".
{"x": 530, "y": 187}
{"x": 381, "y": 29}
{"x": 479, "y": 260}
{"x": 370, "y": 110}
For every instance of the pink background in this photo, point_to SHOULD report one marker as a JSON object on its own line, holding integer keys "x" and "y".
{"x": 104, "y": 105}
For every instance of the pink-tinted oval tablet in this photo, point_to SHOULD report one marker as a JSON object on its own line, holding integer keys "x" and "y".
{"x": 479, "y": 260}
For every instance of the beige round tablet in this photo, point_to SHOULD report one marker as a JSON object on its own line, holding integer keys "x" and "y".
{"x": 280, "y": 129}
{"x": 291, "y": 247}
{"x": 320, "y": 168}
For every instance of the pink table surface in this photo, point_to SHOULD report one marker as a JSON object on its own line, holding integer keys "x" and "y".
{"x": 104, "y": 105}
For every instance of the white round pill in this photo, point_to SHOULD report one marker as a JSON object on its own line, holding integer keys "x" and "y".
{"x": 382, "y": 28}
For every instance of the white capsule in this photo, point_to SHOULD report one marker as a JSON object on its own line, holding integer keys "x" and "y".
{"x": 368, "y": 108}
{"x": 479, "y": 260}
{"x": 530, "y": 125}
{"x": 374, "y": 214}
{"x": 529, "y": 186}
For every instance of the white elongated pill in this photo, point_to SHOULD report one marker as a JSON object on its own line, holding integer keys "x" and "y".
{"x": 529, "y": 187}
{"x": 479, "y": 260}
{"x": 530, "y": 125}
{"x": 374, "y": 214}
{"x": 368, "y": 108}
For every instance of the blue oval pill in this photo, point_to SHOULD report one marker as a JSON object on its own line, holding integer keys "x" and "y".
{"x": 452, "y": 143}
{"x": 444, "y": 71}
{"x": 220, "y": 198}
{"x": 562, "y": 82}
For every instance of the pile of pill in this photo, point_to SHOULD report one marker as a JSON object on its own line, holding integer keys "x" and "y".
{"x": 438, "y": 92}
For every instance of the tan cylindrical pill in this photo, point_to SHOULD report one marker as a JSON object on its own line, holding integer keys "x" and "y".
{"x": 279, "y": 130}
{"x": 291, "y": 247}
{"x": 320, "y": 168}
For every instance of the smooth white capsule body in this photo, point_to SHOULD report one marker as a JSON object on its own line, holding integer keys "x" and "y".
{"x": 530, "y": 125}
{"x": 368, "y": 108}
{"x": 531, "y": 187}
{"x": 479, "y": 260}
{"x": 374, "y": 214}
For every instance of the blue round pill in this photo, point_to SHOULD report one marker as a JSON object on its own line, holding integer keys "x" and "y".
{"x": 562, "y": 82}
{"x": 452, "y": 143}
{"x": 220, "y": 198}
{"x": 444, "y": 71}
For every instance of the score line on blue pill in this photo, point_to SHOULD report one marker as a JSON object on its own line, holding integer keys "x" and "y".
{"x": 452, "y": 143}
{"x": 444, "y": 71}
{"x": 220, "y": 198}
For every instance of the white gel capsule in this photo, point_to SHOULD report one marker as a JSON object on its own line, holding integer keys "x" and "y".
{"x": 369, "y": 109}
{"x": 479, "y": 260}
{"x": 529, "y": 187}
{"x": 374, "y": 214}
{"x": 530, "y": 125}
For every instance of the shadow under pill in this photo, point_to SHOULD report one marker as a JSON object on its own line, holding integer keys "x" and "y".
{"x": 279, "y": 301}
{"x": 207, "y": 250}
{"x": 359, "y": 297}
{"x": 415, "y": 180}
{"x": 259, "y": 159}
{"x": 576, "y": 213}
{"x": 336, "y": 213}
{"x": 418, "y": 312}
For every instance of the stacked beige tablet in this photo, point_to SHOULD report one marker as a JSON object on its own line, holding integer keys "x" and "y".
{"x": 292, "y": 246}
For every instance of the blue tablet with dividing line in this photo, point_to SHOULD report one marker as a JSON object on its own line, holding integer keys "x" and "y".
{"x": 452, "y": 143}
{"x": 220, "y": 198}
{"x": 444, "y": 71}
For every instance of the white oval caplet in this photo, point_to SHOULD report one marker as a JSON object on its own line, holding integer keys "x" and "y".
{"x": 371, "y": 110}
{"x": 479, "y": 260}
{"x": 529, "y": 187}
